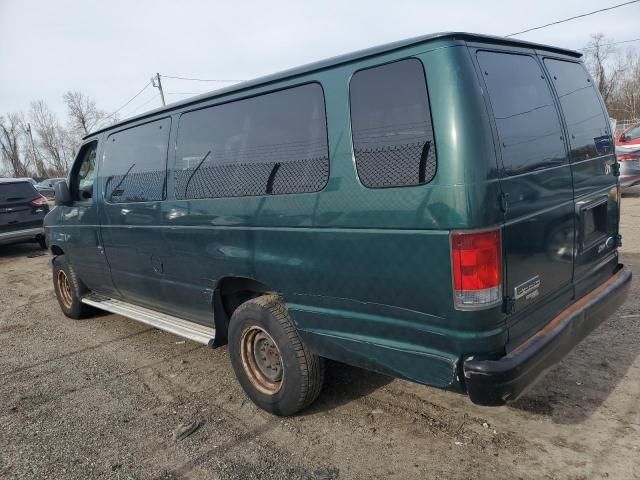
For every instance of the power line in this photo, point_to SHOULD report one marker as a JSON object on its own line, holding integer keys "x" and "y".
{"x": 184, "y": 93}
{"x": 573, "y": 18}
{"x": 611, "y": 44}
{"x": 207, "y": 79}
{"x": 139, "y": 107}
{"x": 144, "y": 104}
{"x": 130, "y": 100}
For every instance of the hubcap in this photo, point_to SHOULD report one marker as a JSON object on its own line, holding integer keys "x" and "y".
{"x": 65, "y": 289}
{"x": 261, "y": 360}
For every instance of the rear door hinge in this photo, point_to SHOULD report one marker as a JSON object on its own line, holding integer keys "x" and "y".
{"x": 504, "y": 202}
{"x": 615, "y": 169}
{"x": 509, "y": 305}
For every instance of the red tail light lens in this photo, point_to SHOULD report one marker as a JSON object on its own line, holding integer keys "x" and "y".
{"x": 39, "y": 202}
{"x": 477, "y": 269}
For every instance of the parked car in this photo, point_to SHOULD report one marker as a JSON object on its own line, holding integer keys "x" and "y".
{"x": 22, "y": 211}
{"x": 628, "y": 155}
{"x": 45, "y": 187}
{"x": 443, "y": 209}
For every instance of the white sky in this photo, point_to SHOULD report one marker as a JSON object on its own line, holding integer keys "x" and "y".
{"x": 109, "y": 49}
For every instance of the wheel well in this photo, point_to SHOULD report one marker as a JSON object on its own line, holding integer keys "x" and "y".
{"x": 230, "y": 293}
{"x": 56, "y": 250}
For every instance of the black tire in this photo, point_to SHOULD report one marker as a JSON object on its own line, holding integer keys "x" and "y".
{"x": 258, "y": 322}
{"x": 69, "y": 290}
{"x": 42, "y": 241}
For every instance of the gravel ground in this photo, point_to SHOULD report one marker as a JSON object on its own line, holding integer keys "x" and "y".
{"x": 100, "y": 398}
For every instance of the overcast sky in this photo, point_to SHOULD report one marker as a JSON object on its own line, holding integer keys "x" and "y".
{"x": 110, "y": 49}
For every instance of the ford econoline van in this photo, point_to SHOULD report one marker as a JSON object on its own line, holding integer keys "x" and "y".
{"x": 443, "y": 209}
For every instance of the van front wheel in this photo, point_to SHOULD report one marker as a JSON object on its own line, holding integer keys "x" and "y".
{"x": 272, "y": 364}
{"x": 69, "y": 290}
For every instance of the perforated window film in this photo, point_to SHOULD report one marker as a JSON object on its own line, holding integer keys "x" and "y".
{"x": 271, "y": 144}
{"x": 393, "y": 137}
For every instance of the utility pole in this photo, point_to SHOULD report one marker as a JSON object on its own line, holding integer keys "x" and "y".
{"x": 154, "y": 79}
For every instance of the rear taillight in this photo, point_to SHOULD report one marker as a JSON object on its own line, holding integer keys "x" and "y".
{"x": 39, "y": 202}
{"x": 477, "y": 269}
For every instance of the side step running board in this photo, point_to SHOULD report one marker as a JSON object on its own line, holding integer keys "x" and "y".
{"x": 177, "y": 326}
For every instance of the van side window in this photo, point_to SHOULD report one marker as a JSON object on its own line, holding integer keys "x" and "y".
{"x": 586, "y": 121}
{"x": 134, "y": 164}
{"x": 393, "y": 139}
{"x": 84, "y": 173}
{"x": 526, "y": 118}
{"x": 271, "y": 144}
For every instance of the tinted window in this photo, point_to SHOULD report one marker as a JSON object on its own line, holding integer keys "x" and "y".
{"x": 270, "y": 144}
{"x": 14, "y": 192}
{"x": 391, "y": 123}
{"x": 526, "y": 117}
{"x": 84, "y": 173}
{"x": 135, "y": 163}
{"x": 587, "y": 124}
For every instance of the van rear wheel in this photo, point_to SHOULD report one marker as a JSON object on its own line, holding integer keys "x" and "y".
{"x": 273, "y": 366}
{"x": 69, "y": 290}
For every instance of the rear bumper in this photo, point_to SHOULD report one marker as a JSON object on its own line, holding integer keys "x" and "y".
{"x": 629, "y": 173}
{"x": 494, "y": 382}
{"x": 20, "y": 235}
{"x": 627, "y": 181}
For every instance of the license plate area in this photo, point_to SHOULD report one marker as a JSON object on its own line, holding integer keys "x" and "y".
{"x": 10, "y": 218}
{"x": 594, "y": 226}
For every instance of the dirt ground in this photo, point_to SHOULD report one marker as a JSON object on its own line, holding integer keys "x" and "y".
{"x": 100, "y": 398}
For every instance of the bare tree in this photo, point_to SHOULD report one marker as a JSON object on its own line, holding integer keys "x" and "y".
{"x": 617, "y": 76}
{"x": 40, "y": 142}
{"x": 626, "y": 101}
{"x": 601, "y": 60}
{"x": 10, "y": 137}
{"x": 84, "y": 115}
{"x": 33, "y": 156}
{"x": 52, "y": 137}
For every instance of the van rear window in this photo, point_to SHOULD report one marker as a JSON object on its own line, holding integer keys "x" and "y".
{"x": 270, "y": 144}
{"x": 135, "y": 163}
{"x": 525, "y": 115}
{"x": 393, "y": 139}
{"x": 586, "y": 121}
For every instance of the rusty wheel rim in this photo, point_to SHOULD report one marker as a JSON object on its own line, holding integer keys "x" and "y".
{"x": 65, "y": 289}
{"x": 261, "y": 360}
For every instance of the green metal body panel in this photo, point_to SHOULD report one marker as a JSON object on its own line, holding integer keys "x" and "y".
{"x": 366, "y": 273}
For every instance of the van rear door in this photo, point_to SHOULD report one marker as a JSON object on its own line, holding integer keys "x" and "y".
{"x": 592, "y": 156}
{"x": 536, "y": 182}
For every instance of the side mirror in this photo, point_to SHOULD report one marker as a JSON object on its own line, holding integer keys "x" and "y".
{"x": 63, "y": 195}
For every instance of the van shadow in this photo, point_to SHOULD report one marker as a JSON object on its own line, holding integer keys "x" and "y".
{"x": 343, "y": 384}
{"x": 584, "y": 380}
{"x": 21, "y": 250}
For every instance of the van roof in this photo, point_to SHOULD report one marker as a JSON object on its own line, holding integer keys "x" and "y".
{"x": 338, "y": 60}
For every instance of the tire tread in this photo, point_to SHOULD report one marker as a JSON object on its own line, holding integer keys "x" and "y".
{"x": 78, "y": 310}
{"x": 312, "y": 367}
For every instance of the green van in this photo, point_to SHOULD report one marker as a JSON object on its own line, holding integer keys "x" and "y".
{"x": 443, "y": 209}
